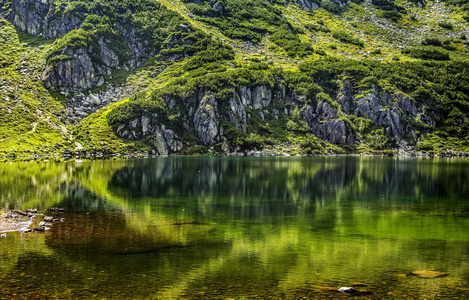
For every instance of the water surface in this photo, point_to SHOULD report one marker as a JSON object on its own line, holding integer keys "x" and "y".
{"x": 219, "y": 228}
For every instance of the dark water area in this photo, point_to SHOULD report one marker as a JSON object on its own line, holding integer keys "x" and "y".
{"x": 239, "y": 228}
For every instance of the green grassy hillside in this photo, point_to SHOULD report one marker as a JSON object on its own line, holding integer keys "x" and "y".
{"x": 30, "y": 116}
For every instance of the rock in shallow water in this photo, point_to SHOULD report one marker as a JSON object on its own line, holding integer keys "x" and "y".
{"x": 429, "y": 274}
{"x": 348, "y": 290}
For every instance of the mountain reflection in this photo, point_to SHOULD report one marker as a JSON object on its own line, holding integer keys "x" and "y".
{"x": 286, "y": 186}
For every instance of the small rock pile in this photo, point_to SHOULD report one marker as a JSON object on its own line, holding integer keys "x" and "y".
{"x": 16, "y": 220}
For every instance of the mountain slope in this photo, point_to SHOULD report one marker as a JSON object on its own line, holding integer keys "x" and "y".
{"x": 235, "y": 76}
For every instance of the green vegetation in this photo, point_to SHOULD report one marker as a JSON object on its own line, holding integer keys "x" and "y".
{"x": 391, "y": 10}
{"x": 240, "y": 19}
{"x": 290, "y": 42}
{"x": 347, "y": 38}
{"x": 28, "y": 114}
{"x": 427, "y": 53}
{"x": 91, "y": 31}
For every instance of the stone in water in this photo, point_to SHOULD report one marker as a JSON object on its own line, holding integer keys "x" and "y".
{"x": 428, "y": 274}
{"x": 348, "y": 290}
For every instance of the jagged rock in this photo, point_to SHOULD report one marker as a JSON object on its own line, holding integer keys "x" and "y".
{"x": 335, "y": 132}
{"x": 165, "y": 141}
{"x": 261, "y": 96}
{"x": 206, "y": 122}
{"x": 29, "y": 15}
{"x": 307, "y": 5}
{"x": 395, "y": 113}
{"x": 325, "y": 111}
{"x": 82, "y": 104}
{"x": 140, "y": 49}
{"x": 37, "y": 17}
{"x": 237, "y": 114}
{"x": 256, "y": 97}
{"x": 59, "y": 25}
{"x": 77, "y": 74}
{"x": 108, "y": 56}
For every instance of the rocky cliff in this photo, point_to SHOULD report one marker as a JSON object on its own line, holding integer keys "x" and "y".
{"x": 207, "y": 116}
{"x": 42, "y": 17}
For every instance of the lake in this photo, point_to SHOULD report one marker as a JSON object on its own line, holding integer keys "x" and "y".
{"x": 240, "y": 228}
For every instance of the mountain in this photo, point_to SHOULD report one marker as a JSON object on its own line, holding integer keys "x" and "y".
{"x": 233, "y": 76}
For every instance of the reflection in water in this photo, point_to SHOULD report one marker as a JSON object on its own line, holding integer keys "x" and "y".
{"x": 202, "y": 227}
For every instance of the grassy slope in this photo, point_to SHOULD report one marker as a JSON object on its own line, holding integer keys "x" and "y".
{"x": 96, "y": 135}
{"x": 28, "y": 112}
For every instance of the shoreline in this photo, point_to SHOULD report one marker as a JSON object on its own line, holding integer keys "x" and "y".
{"x": 15, "y": 221}
{"x": 269, "y": 153}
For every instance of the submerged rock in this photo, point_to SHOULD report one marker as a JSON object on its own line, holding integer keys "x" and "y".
{"x": 56, "y": 209}
{"x": 429, "y": 274}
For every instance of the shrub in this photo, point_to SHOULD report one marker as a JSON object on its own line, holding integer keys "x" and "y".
{"x": 446, "y": 25}
{"x": 346, "y": 38}
{"x": 426, "y": 53}
{"x": 311, "y": 143}
{"x": 431, "y": 41}
{"x": 391, "y": 15}
{"x": 379, "y": 140}
{"x": 320, "y": 52}
{"x": 291, "y": 43}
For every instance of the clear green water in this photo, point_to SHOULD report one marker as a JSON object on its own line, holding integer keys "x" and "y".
{"x": 252, "y": 228}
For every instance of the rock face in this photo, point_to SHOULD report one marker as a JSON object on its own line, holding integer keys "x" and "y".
{"x": 147, "y": 128}
{"x": 76, "y": 74}
{"x": 37, "y": 17}
{"x": 206, "y": 115}
{"x": 82, "y": 104}
{"x": 307, "y": 5}
{"x": 60, "y": 25}
{"x": 29, "y": 15}
{"x": 395, "y": 113}
{"x": 206, "y": 121}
